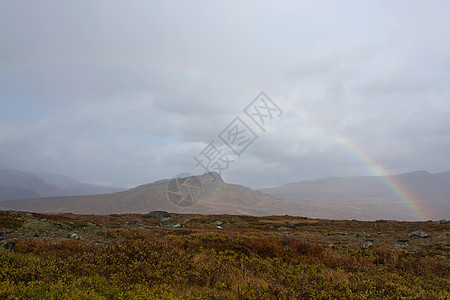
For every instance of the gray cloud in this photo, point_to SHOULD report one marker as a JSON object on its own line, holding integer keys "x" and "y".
{"x": 129, "y": 93}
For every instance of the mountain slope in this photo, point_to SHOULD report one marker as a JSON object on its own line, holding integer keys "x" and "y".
{"x": 73, "y": 187}
{"x": 370, "y": 197}
{"x": 219, "y": 198}
{"x": 20, "y": 185}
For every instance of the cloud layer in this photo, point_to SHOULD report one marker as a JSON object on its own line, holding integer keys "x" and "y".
{"x": 126, "y": 94}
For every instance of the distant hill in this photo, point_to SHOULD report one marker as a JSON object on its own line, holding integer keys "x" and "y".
{"x": 219, "y": 198}
{"x": 368, "y": 197}
{"x": 10, "y": 192}
{"x": 362, "y": 198}
{"x": 20, "y": 185}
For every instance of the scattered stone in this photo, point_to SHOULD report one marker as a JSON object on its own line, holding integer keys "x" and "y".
{"x": 3, "y": 236}
{"x": 218, "y": 223}
{"x": 417, "y": 234}
{"x": 343, "y": 233}
{"x": 138, "y": 220}
{"x": 367, "y": 244}
{"x": 361, "y": 234}
{"x": 9, "y": 246}
{"x": 165, "y": 219}
{"x": 75, "y": 236}
{"x": 400, "y": 245}
{"x": 218, "y": 226}
{"x": 440, "y": 222}
{"x": 289, "y": 233}
{"x": 282, "y": 228}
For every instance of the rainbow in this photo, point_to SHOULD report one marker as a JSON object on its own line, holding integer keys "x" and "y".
{"x": 367, "y": 162}
{"x": 193, "y": 71}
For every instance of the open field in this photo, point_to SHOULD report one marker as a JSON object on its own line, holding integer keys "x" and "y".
{"x": 176, "y": 256}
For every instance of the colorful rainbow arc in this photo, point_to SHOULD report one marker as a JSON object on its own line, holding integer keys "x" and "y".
{"x": 366, "y": 161}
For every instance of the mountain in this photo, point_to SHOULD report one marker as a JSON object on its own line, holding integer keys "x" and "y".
{"x": 20, "y": 185}
{"x": 74, "y": 187}
{"x": 361, "y": 197}
{"x": 370, "y": 197}
{"x": 10, "y": 192}
{"x": 218, "y": 197}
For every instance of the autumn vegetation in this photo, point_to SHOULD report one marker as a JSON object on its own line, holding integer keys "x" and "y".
{"x": 248, "y": 258}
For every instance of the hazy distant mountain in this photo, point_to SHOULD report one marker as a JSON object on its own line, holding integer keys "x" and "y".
{"x": 20, "y": 185}
{"x": 219, "y": 198}
{"x": 9, "y": 192}
{"x": 369, "y": 197}
{"x": 73, "y": 187}
{"x": 363, "y": 198}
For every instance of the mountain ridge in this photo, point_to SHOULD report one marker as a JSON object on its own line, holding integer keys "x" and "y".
{"x": 16, "y": 185}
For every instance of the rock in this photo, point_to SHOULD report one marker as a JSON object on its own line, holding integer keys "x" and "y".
{"x": 157, "y": 214}
{"x": 9, "y": 246}
{"x": 417, "y": 234}
{"x": 361, "y": 234}
{"x": 218, "y": 223}
{"x": 400, "y": 245}
{"x": 440, "y": 222}
{"x": 343, "y": 233}
{"x": 367, "y": 244}
{"x": 218, "y": 226}
{"x": 75, "y": 236}
{"x": 3, "y": 236}
{"x": 165, "y": 219}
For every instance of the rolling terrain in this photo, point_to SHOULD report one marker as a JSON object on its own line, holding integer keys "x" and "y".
{"x": 370, "y": 197}
{"x": 162, "y": 255}
{"x": 362, "y": 198}
{"x": 21, "y": 185}
{"x": 219, "y": 197}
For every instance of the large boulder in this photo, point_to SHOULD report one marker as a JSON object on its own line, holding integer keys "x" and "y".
{"x": 157, "y": 214}
{"x": 417, "y": 234}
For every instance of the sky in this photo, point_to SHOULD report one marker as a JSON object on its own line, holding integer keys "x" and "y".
{"x": 121, "y": 93}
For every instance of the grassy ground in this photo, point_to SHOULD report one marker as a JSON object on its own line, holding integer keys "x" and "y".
{"x": 134, "y": 257}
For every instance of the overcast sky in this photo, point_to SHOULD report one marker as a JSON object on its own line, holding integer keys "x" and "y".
{"x": 126, "y": 93}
